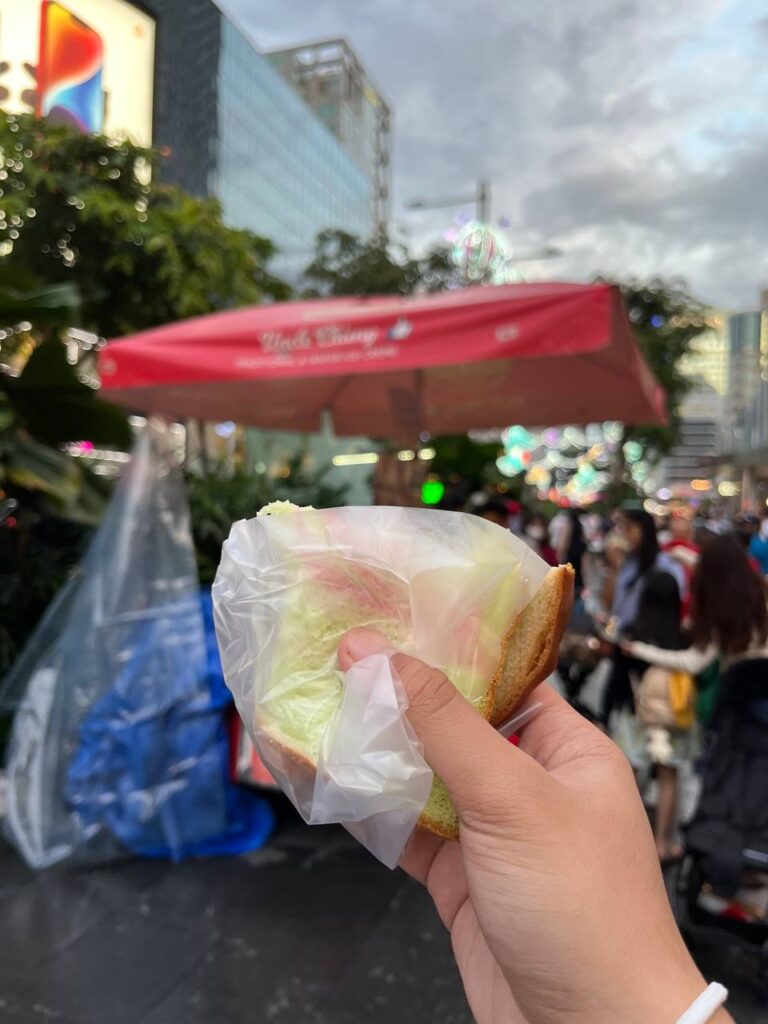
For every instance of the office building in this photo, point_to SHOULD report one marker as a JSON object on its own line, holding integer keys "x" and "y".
{"x": 331, "y": 79}
{"x": 692, "y": 461}
{"x": 180, "y": 75}
{"x": 743, "y": 465}
{"x": 746, "y": 350}
{"x": 707, "y": 360}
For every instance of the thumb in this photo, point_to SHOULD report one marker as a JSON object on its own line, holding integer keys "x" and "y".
{"x": 477, "y": 765}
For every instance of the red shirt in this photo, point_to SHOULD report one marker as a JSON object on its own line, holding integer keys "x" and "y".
{"x": 687, "y": 554}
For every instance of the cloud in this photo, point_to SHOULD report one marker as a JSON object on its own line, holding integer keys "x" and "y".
{"x": 634, "y": 135}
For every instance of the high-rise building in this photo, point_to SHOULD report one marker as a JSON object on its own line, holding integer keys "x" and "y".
{"x": 332, "y": 80}
{"x": 693, "y": 457}
{"x": 180, "y": 75}
{"x": 746, "y": 340}
{"x": 702, "y": 412}
{"x": 747, "y": 380}
{"x": 707, "y": 359}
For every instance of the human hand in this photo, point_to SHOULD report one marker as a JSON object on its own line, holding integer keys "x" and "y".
{"x": 553, "y": 897}
{"x": 606, "y": 648}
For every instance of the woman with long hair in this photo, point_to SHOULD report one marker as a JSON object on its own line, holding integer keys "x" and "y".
{"x": 575, "y": 548}
{"x": 651, "y": 740}
{"x": 729, "y": 615}
{"x": 643, "y": 556}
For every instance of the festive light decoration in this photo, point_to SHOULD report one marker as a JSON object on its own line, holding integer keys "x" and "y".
{"x": 633, "y": 452}
{"x": 571, "y": 463}
{"x": 478, "y": 251}
{"x": 519, "y": 437}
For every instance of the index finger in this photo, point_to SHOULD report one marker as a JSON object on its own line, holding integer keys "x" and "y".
{"x": 557, "y": 734}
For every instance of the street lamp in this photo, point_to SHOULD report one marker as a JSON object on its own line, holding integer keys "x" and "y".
{"x": 481, "y": 199}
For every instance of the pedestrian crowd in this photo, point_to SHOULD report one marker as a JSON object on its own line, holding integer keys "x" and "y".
{"x": 670, "y": 605}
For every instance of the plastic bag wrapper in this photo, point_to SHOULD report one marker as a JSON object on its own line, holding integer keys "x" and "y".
{"x": 442, "y": 586}
{"x": 112, "y": 745}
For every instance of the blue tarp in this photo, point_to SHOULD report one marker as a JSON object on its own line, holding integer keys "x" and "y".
{"x": 155, "y": 771}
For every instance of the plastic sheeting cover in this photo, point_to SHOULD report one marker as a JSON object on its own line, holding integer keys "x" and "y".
{"x": 119, "y": 656}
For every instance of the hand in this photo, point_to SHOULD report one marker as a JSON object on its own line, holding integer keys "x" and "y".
{"x": 554, "y": 897}
{"x": 606, "y": 648}
{"x": 626, "y": 647}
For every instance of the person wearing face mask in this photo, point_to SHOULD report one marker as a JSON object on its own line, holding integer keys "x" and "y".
{"x": 643, "y": 556}
{"x": 536, "y": 536}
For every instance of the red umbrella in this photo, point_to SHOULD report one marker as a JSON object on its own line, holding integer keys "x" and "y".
{"x": 446, "y": 363}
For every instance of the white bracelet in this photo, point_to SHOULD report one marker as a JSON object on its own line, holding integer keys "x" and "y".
{"x": 703, "y": 1009}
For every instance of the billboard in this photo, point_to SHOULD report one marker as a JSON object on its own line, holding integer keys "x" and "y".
{"x": 87, "y": 63}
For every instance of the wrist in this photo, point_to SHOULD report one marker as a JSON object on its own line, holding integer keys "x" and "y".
{"x": 674, "y": 1004}
{"x": 662, "y": 994}
{"x": 721, "y": 1017}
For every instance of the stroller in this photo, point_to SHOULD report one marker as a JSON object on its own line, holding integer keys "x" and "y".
{"x": 722, "y": 886}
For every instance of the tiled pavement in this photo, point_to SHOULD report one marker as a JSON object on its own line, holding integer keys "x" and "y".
{"x": 309, "y": 930}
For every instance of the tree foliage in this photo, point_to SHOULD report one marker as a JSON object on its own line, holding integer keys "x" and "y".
{"x": 44, "y": 404}
{"x": 85, "y": 210}
{"x": 218, "y": 499}
{"x": 346, "y": 265}
{"x": 49, "y": 501}
{"x": 665, "y": 320}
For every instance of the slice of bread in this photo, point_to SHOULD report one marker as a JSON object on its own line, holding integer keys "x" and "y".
{"x": 529, "y": 655}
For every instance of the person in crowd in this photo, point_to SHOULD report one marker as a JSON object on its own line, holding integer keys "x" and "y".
{"x": 558, "y": 531}
{"x": 681, "y": 547}
{"x": 758, "y": 546}
{"x": 568, "y": 542}
{"x": 729, "y": 615}
{"x": 493, "y": 509}
{"x": 643, "y": 556}
{"x": 648, "y": 740}
{"x": 703, "y": 534}
{"x": 577, "y": 549}
{"x": 553, "y": 898}
{"x": 535, "y": 535}
{"x": 516, "y": 514}
{"x": 608, "y": 568}
{"x": 746, "y": 526}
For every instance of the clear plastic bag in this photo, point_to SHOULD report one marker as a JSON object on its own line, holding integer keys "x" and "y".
{"x": 443, "y": 586}
{"x": 113, "y": 746}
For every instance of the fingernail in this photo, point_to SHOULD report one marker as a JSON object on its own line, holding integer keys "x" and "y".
{"x": 361, "y": 643}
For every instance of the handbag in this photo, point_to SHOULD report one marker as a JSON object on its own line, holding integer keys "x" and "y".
{"x": 682, "y": 698}
{"x": 666, "y": 698}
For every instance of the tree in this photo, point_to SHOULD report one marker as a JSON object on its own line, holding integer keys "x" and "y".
{"x": 346, "y": 265}
{"x": 665, "y": 320}
{"x": 44, "y": 404}
{"x": 49, "y": 500}
{"x": 85, "y": 210}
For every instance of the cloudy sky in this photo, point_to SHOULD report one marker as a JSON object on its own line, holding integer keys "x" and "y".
{"x": 633, "y": 134}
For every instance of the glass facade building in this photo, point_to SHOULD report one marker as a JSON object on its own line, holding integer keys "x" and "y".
{"x": 279, "y": 170}
{"x": 233, "y": 128}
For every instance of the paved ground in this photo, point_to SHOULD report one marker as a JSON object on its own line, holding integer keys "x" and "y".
{"x": 309, "y": 930}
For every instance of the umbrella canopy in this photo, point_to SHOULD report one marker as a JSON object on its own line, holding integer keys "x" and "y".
{"x": 446, "y": 363}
